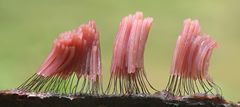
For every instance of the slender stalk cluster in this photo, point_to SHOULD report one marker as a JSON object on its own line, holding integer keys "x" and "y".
{"x": 189, "y": 71}
{"x": 127, "y": 68}
{"x": 73, "y": 65}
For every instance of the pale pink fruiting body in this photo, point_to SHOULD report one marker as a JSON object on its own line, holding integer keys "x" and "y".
{"x": 129, "y": 43}
{"x": 189, "y": 70}
{"x": 128, "y": 54}
{"x": 74, "y": 51}
{"x": 192, "y": 52}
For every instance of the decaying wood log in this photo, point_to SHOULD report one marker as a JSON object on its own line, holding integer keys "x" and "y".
{"x": 12, "y": 98}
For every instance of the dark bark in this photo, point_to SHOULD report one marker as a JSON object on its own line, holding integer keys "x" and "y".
{"x": 10, "y": 99}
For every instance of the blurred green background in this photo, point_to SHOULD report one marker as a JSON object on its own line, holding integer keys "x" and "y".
{"x": 28, "y": 27}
